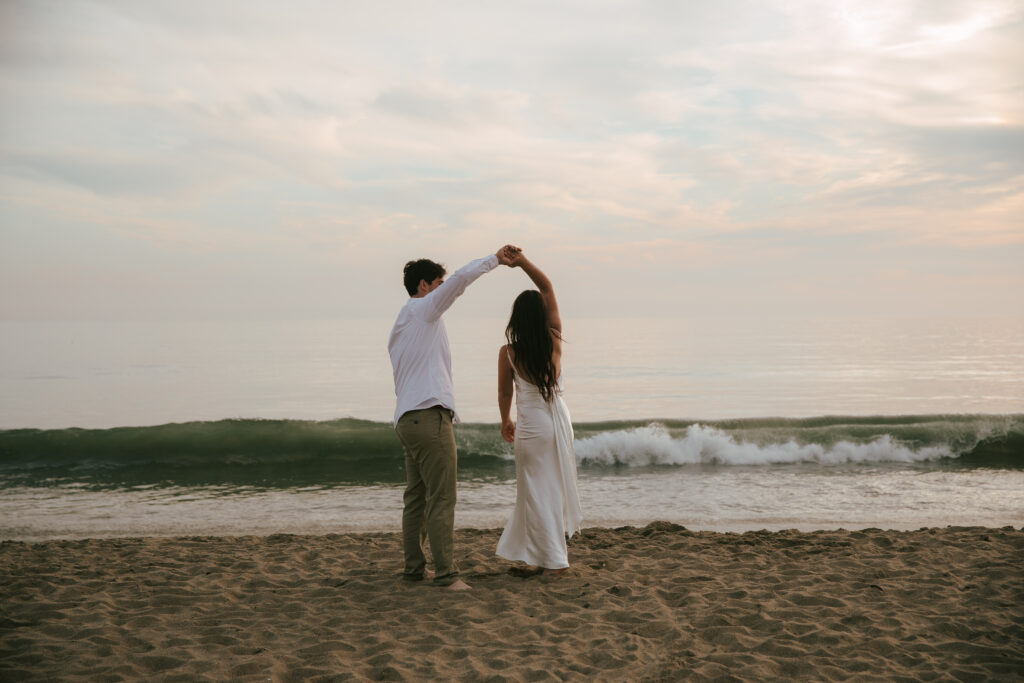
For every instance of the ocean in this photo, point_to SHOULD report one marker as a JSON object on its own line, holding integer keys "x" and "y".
{"x": 237, "y": 428}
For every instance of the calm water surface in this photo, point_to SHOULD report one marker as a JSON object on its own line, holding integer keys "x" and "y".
{"x": 56, "y": 375}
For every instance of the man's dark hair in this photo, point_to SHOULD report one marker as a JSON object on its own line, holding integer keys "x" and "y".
{"x": 424, "y": 269}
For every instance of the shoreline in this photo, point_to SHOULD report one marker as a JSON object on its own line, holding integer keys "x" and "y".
{"x": 642, "y": 603}
{"x": 600, "y": 525}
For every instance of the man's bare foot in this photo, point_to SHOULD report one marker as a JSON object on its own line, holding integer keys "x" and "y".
{"x": 555, "y": 572}
{"x": 428, "y": 574}
{"x": 458, "y": 585}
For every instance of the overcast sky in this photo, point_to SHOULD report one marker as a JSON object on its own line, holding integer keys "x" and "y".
{"x": 283, "y": 160}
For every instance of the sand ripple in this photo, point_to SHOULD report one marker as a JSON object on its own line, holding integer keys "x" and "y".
{"x": 657, "y": 603}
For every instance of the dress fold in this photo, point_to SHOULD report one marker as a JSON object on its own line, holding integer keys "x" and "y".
{"x": 547, "y": 502}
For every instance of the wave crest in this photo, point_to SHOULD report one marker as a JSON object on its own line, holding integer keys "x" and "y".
{"x": 704, "y": 445}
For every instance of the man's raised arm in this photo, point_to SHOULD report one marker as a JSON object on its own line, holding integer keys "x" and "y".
{"x": 441, "y": 299}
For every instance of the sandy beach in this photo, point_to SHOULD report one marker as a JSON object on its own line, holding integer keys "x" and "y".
{"x": 652, "y": 603}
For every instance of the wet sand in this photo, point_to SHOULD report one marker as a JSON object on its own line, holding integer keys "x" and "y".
{"x": 652, "y": 603}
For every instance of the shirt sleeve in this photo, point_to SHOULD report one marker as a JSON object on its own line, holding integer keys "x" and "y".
{"x": 441, "y": 299}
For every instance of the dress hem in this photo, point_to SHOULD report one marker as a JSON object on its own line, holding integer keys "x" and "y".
{"x": 531, "y": 562}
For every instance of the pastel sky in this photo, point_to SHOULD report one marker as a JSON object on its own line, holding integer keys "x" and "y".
{"x": 197, "y": 159}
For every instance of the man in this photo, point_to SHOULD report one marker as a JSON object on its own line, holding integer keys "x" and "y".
{"x": 425, "y": 409}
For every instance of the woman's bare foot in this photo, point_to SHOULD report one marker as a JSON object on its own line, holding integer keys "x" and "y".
{"x": 458, "y": 585}
{"x": 525, "y": 572}
{"x": 555, "y": 572}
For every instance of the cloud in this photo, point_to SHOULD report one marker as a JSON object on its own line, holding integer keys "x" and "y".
{"x": 648, "y": 132}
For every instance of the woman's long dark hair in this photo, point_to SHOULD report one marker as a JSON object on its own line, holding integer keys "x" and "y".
{"x": 529, "y": 338}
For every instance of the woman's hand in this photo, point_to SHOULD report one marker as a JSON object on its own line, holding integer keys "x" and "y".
{"x": 516, "y": 258}
{"x": 508, "y": 430}
{"x": 506, "y": 255}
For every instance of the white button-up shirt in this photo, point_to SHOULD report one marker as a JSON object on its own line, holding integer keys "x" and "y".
{"x": 420, "y": 356}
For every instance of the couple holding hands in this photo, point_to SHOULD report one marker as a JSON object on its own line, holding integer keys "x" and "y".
{"x": 529, "y": 368}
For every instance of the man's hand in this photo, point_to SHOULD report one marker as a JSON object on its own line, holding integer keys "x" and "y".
{"x": 507, "y": 254}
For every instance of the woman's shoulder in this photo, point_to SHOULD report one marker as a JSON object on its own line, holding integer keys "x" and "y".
{"x": 506, "y": 351}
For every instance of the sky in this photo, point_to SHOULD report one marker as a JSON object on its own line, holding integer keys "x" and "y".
{"x": 270, "y": 160}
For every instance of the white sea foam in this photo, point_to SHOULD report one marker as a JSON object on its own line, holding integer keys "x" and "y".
{"x": 654, "y": 445}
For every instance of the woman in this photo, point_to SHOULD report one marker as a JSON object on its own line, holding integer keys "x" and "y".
{"x": 529, "y": 365}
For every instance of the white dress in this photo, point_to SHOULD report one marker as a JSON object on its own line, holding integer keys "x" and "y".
{"x": 547, "y": 503}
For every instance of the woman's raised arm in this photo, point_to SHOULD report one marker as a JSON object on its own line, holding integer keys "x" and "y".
{"x": 547, "y": 291}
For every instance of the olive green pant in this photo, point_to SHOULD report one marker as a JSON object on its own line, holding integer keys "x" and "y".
{"x": 431, "y": 464}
